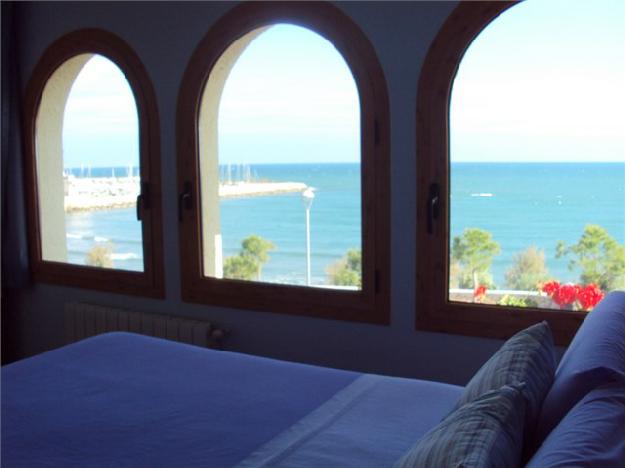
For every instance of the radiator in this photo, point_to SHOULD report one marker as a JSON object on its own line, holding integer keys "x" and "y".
{"x": 85, "y": 320}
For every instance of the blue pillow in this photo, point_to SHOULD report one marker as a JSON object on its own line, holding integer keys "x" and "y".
{"x": 591, "y": 434}
{"x": 485, "y": 432}
{"x": 528, "y": 357}
{"x": 595, "y": 357}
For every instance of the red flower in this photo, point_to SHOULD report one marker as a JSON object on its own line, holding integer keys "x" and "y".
{"x": 589, "y": 296}
{"x": 551, "y": 287}
{"x": 566, "y": 294}
{"x": 480, "y": 291}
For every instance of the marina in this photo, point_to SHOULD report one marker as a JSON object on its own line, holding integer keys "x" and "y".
{"x": 101, "y": 193}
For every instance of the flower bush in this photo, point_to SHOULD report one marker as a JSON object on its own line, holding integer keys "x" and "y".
{"x": 573, "y": 296}
{"x": 479, "y": 293}
{"x": 589, "y": 296}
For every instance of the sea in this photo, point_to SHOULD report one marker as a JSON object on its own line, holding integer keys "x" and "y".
{"x": 521, "y": 204}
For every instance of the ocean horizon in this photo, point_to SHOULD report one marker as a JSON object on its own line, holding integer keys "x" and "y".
{"x": 521, "y": 204}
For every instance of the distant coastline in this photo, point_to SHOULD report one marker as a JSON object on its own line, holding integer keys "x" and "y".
{"x": 105, "y": 193}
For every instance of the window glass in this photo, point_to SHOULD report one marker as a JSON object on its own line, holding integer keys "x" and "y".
{"x": 537, "y": 158}
{"x": 87, "y": 131}
{"x": 281, "y": 189}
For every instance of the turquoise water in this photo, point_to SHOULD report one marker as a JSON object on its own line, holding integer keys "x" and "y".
{"x": 537, "y": 204}
{"x": 334, "y": 219}
{"x": 521, "y": 204}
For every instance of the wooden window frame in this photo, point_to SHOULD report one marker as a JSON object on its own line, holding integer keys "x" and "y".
{"x": 371, "y": 304}
{"x": 149, "y": 282}
{"x": 434, "y": 310}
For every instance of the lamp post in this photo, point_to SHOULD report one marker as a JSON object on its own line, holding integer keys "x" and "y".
{"x": 307, "y": 198}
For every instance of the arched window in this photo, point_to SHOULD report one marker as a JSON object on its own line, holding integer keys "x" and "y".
{"x": 283, "y": 165}
{"x": 92, "y": 167}
{"x": 521, "y": 167}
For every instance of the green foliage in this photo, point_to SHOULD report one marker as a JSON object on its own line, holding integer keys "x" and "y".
{"x": 464, "y": 278}
{"x": 100, "y": 255}
{"x": 455, "y": 271}
{"x": 240, "y": 267}
{"x": 257, "y": 249}
{"x": 527, "y": 271}
{"x": 348, "y": 270}
{"x": 473, "y": 253}
{"x": 515, "y": 301}
{"x": 599, "y": 256}
{"x": 248, "y": 263}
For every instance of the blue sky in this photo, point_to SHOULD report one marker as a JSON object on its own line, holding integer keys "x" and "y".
{"x": 100, "y": 125}
{"x": 554, "y": 91}
{"x": 544, "y": 82}
{"x": 289, "y": 98}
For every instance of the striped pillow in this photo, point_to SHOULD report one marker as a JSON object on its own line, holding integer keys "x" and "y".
{"x": 485, "y": 432}
{"x": 527, "y": 357}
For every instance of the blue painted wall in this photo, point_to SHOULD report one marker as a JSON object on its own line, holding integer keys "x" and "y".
{"x": 164, "y": 35}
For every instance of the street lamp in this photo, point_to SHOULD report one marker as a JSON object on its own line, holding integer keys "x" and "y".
{"x": 307, "y": 198}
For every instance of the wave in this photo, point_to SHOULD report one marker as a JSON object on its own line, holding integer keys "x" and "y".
{"x": 125, "y": 240}
{"x": 89, "y": 236}
{"x": 482, "y": 194}
{"x": 125, "y": 256}
{"x": 86, "y": 236}
{"x": 114, "y": 256}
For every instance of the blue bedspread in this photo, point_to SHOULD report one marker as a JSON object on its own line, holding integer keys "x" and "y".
{"x": 128, "y": 400}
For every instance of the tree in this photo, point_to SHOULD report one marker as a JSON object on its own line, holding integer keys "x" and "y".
{"x": 455, "y": 274}
{"x": 473, "y": 251}
{"x": 600, "y": 257}
{"x": 257, "y": 248}
{"x": 240, "y": 267}
{"x": 348, "y": 270}
{"x": 100, "y": 255}
{"x": 528, "y": 270}
{"x": 248, "y": 263}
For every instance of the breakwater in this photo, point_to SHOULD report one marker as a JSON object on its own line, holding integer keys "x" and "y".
{"x": 100, "y": 193}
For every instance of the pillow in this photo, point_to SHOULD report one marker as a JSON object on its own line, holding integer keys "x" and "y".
{"x": 485, "y": 432}
{"x": 595, "y": 357}
{"x": 528, "y": 357}
{"x": 591, "y": 434}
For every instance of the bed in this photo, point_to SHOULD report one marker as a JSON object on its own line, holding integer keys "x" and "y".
{"x": 131, "y": 400}
{"x": 121, "y": 399}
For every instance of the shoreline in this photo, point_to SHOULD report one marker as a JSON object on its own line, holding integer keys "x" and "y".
{"x": 105, "y": 193}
